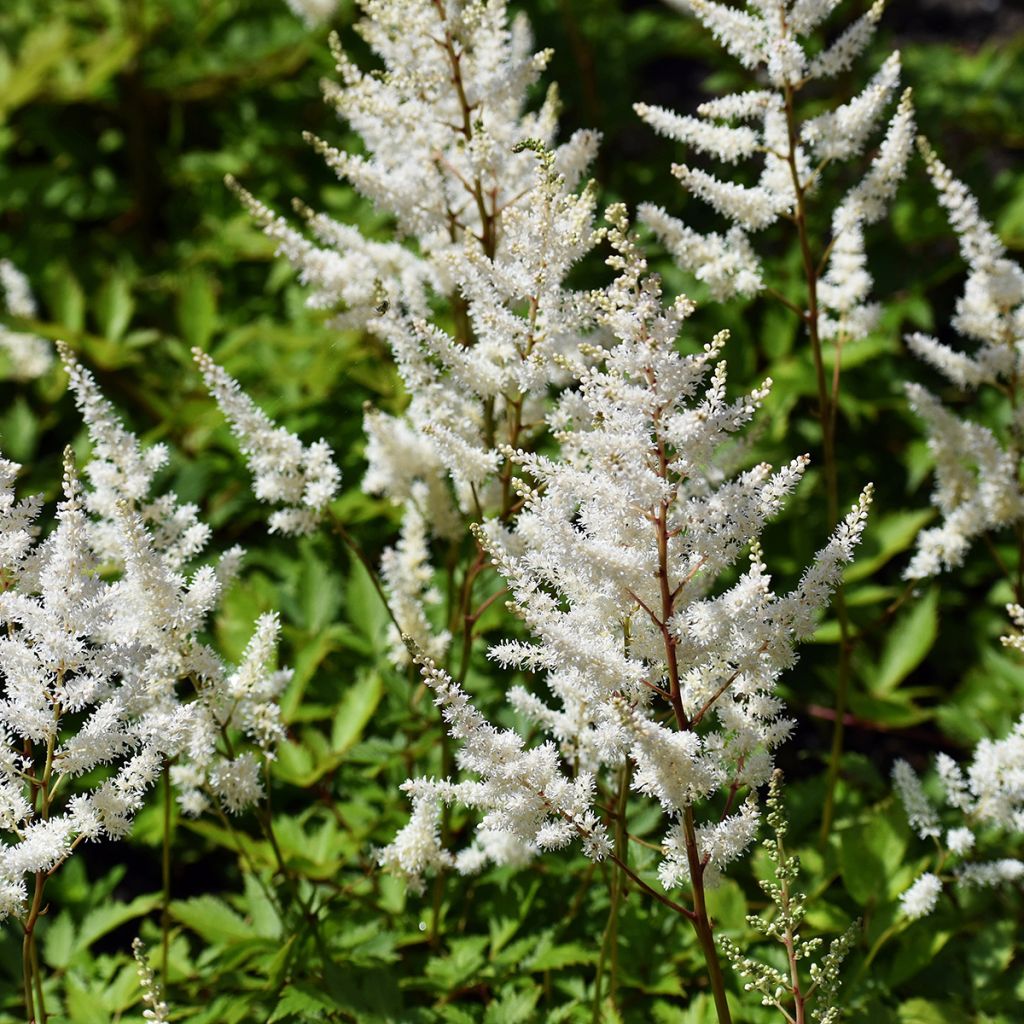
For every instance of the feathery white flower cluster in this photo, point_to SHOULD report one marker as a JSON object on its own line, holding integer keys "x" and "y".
{"x": 304, "y": 479}
{"x": 977, "y": 472}
{"x": 615, "y": 565}
{"x": 987, "y": 801}
{"x": 770, "y": 34}
{"x": 101, "y": 665}
{"x": 28, "y": 356}
{"x": 498, "y": 218}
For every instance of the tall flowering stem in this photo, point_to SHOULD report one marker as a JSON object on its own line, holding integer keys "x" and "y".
{"x": 657, "y": 670}
{"x": 978, "y": 488}
{"x": 771, "y": 36}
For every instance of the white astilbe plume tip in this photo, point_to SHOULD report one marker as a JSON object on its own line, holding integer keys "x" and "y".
{"x": 980, "y": 818}
{"x": 920, "y": 899}
{"x": 303, "y": 479}
{"x": 313, "y": 12}
{"x": 27, "y": 355}
{"x": 977, "y": 468}
{"x": 17, "y": 292}
{"x": 771, "y": 36}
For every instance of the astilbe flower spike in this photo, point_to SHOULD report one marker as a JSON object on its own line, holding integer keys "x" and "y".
{"x": 102, "y": 665}
{"x": 771, "y": 37}
{"x": 977, "y": 471}
{"x": 498, "y": 216}
{"x": 615, "y": 566}
{"x": 303, "y": 479}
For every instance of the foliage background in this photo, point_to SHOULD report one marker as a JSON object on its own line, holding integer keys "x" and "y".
{"x": 118, "y": 121}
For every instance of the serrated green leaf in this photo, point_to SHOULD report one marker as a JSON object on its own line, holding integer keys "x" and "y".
{"x": 59, "y": 941}
{"x": 515, "y": 1006}
{"x": 563, "y": 955}
{"x": 300, "y": 1001}
{"x": 104, "y": 919}
{"x": 212, "y": 919}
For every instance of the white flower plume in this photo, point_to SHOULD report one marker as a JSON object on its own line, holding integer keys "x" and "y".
{"x": 303, "y": 479}
{"x": 615, "y": 566}
{"x": 104, "y": 678}
{"x": 977, "y": 468}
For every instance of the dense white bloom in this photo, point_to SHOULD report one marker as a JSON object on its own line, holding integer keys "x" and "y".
{"x": 303, "y": 479}
{"x": 102, "y": 669}
{"x": 920, "y": 899}
{"x": 985, "y": 800}
{"x": 613, "y": 564}
{"x": 497, "y": 212}
{"x": 977, "y": 469}
{"x": 772, "y": 36}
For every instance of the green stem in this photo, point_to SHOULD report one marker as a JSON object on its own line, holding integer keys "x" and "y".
{"x": 828, "y": 408}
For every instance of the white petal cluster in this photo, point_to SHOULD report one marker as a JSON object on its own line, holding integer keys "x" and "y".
{"x": 527, "y": 800}
{"x": 498, "y": 215}
{"x": 104, "y": 677}
{"x": 615, "y": 566}
{"x": 985, "y": 799}
{"x": 846, "y": 313}
{"x": 27, "y": 355}
{"x": 977, "y": 468}
{"x": 303, "y": 479}
{"x": 772, "y": 35}
{"x": 920, "y": 899}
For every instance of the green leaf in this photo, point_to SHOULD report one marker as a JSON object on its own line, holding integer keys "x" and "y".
{"x": 564, "y": 955}
{"x": 305, "y": 763}
{"x": 923, "y": 1011}
{"x": 59, "y": 941}
{"x": 515, "y": 1006}
{"x": 197, "y": 309}
{"x": 910, "y": 638}
{"x": 104, "y": 919}
{"x": 212, "y": 919}
{"x": 302, "y": 1001}
{"x": 114, "y": 307}
{"x": 356, "y": 709}
{"x": 869, "y": 856}
{"x": 66, "y": 298}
